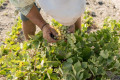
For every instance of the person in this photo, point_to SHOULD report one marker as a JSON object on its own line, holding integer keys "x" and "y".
{"x": 31, "y": 17}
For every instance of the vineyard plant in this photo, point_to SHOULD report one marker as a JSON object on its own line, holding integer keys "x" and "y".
{"x": 76, "y": 56}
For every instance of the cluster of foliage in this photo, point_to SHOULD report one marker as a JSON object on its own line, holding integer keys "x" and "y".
{"x": 76, "y": 56}
{"x": 1, "y": 2}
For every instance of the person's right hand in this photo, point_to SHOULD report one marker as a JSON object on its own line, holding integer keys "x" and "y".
{"x": 48, "y": 33}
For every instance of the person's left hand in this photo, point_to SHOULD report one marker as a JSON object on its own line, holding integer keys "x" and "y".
{"x": 71, "y": 29}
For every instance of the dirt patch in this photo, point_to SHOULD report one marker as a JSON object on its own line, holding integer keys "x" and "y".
{"x": 101, "y": 9}
{"x": 7, "y": 19}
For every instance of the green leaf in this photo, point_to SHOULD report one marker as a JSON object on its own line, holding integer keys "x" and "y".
{"x": 50, "y": 71}
{"x": 36, "y": 44}
{"x": 104, "y": 54}
{"x": 33, "y": 76}
{"x": 87, "y": 74}
{"x": 74, "y": 71}
{"x": 67, "y": 66}
{"x": 38, "y": 66}
{"x": 86, "y": 53}
{"x": 84, "y": 64}
{"x": 54, "y": 76}
{"x": 70, "y": 60}
{"x": 53, "y": 63}
{"x": 81, "y": 76}
{"x": 77, "y": 66}
{"x": 2, "y": 72}
{"x": 92, "y": 39}
{"x": 20, "y": 73}
{"x": 117, "y": 64}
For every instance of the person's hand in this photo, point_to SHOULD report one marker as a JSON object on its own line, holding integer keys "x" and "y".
{"x": 49, "y": 33}
{"x": 71, "y": 29}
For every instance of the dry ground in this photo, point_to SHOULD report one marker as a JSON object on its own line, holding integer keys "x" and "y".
{"x": 7, "y": 19}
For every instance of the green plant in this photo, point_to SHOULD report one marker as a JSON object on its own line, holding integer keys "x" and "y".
{"x": 1, "y": 2}
{"x": 78, "y": 56}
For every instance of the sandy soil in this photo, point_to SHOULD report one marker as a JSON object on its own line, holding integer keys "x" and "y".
{"x": 7, "y": 19}
{"x": 103, "y": 8}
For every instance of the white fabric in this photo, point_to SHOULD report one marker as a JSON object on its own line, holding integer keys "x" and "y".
{"x": 65, "y": 12}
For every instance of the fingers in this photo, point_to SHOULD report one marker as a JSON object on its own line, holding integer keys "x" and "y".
{"x": 55, "y": 33}
{"x": 49, "y": 38}
{"x": 49, "y": 34}
{"x": 71, "y": 29}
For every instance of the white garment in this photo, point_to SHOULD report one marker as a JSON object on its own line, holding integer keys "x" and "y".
{"x": 65, "y": 12}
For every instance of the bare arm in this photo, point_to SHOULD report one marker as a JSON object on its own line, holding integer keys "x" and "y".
{"x": 36, "y": 17}
{"x": 27, "y": 8}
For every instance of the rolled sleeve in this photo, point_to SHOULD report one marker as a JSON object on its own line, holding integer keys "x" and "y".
{"x": 23, "y": 6}
{"x": 26, "y": 9}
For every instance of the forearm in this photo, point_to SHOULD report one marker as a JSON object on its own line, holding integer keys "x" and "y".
{"x": 36, "y": 17}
